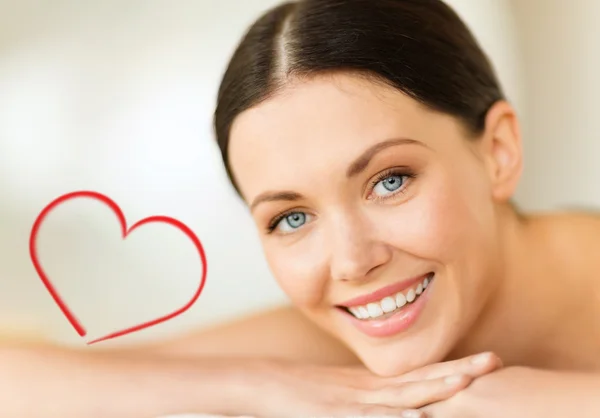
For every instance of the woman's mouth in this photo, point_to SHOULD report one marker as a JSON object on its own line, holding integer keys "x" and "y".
{"x": 391, "y": 313}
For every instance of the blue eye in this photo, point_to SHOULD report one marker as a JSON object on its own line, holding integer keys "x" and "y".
{"x": 295, "y": 219}
{"x": 389, "y": 184}
{"x": 290, "y": 222}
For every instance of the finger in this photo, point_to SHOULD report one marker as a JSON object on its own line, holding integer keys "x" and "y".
{"x": 474, "y": 366}
{"x": 413, "y": 395}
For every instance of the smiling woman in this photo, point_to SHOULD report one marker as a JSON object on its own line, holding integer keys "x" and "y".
{"x": 375, "y": 170}
{"x": 378, "y": 156}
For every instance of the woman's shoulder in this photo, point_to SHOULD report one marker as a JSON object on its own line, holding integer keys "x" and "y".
{"x": 583, "y": 224}
{"x": 283, "y": 333}
{"x": 570, "y": 222}
{"x": 575, "y": 234}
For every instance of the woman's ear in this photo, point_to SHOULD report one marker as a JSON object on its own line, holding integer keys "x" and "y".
{"x": 502, "y": 149}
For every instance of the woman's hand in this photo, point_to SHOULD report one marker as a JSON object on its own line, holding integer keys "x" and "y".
{"x": 510, "y": 392}
{"x": 486, "y": 397}
{"x": 522, "y": 392}
{"x": 296, "y": 390}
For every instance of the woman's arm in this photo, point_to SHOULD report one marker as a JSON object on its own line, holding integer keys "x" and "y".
{"x": 195, "y": 372}
{"x": 207, "y": 375}
{"x": 519, "y": 392}
{"x": 51, "y": 382}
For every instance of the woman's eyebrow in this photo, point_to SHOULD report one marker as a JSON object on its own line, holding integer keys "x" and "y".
{"x": 275, "y": 196}
{"x": 363, "y": 160}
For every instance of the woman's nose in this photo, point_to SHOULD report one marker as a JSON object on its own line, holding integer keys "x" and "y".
{"x": 356, "y": 251}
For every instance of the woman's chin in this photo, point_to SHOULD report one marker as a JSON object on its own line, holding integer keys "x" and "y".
{"x": 403, "y": 356}
{"x": 390, "y": 365}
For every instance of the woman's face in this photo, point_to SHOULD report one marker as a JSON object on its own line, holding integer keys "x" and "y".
{"x": 376, "y": 215}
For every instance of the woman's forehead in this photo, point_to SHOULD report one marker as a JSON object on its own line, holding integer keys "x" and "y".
{"x": 320, "y": 124}
{"x": 326, "y": 110}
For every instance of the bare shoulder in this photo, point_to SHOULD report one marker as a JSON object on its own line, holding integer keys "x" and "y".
{"x": 576, "y": 235}
{"x": 584, "y": 227}
{"x": 282, "y": 333}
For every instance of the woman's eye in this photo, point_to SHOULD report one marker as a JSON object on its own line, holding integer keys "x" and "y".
{"x": 292, "y": 221}
{"x": 389, "y": 185}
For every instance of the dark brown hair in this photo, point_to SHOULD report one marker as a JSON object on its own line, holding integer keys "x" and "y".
{"x": 420, "y": 47}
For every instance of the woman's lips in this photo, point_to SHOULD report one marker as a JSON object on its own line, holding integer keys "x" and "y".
{"x": 394, "y": 322}
{"x": 378, "y": 295}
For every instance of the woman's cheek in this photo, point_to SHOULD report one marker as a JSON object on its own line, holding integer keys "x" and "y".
{"x": 300, "y": 269}
{"x": 427, "y": 227}
{"x": 447, "y": 219}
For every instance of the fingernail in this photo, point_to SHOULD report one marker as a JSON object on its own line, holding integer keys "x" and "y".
{"x": 481, "y": 358}
{"x": 411, "y": 413}
{"x": 454, "y": 379}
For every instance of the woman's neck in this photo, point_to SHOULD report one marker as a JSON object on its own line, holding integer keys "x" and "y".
{"x": 531, "y": 318}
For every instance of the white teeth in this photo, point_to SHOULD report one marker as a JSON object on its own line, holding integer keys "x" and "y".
{"x": 388, "y": 304}
{"x": 374, "y": 310}
{"x": 355, "y": 312}
{"x": 400, "y": 300}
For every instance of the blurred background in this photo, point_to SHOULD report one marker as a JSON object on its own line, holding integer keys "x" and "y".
{"x": 117, "y": 97}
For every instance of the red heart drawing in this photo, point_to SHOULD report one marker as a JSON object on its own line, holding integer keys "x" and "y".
{"x": 117, "y": 211}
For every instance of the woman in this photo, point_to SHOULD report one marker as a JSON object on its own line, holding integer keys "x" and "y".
{"x": 378, "y": 156}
